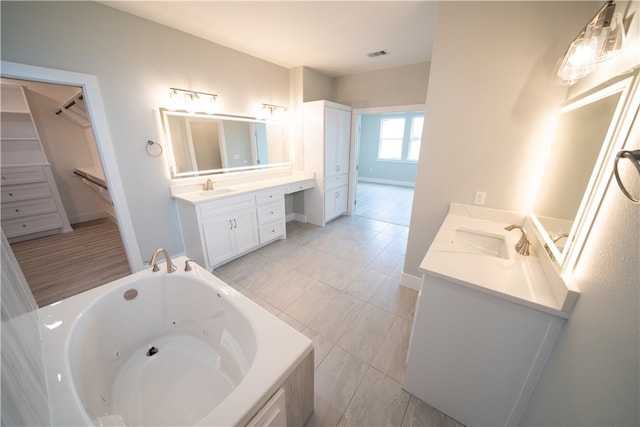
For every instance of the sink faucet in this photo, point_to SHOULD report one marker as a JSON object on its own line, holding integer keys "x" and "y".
{"x": 523, "y": 244}
{"x": 170, "y": 267}
{"x": 208, "y": 186}
{"x": 559, "y": 236}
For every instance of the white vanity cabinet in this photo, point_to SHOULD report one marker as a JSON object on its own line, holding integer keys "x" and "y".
{"x": 229, "y": 228}
{"x": 475, "y": 357}
{"x": 219, "y": 230}
{"x": 326, "y": 133}
{"x": 484, "y": 323}
{"x": 31, "y": 204}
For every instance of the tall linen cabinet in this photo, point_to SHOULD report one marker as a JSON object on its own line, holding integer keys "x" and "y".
{"x": 327, "y": 134}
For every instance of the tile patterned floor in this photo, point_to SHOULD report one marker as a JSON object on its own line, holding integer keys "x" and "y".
{"x": 339, "y": 285}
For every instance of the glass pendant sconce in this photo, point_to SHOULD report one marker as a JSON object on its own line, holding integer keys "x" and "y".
{"x": 192, "y": 101}
{"x": 601, "y": 39}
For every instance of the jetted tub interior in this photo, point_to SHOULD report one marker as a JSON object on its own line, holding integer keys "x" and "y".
{"x": 162, "y": 348}
{"x": 164, "y": 357}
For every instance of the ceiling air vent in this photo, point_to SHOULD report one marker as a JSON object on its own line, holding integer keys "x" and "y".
{"x": 378, "y": 53}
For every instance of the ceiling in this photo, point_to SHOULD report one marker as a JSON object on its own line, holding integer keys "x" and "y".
{"x": 333, "y": 37}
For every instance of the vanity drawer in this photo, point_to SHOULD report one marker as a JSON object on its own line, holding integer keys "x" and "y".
{"x": 22, "y": 175}
{"x": 226, "y": 205}
{"x": 336, "y": 182}
{"x": 271, "y": 231}
{"x": 32, "y": 224}
{"x": 28, "y": 207}
{"x": 15, "y": 193}
{"x": 270, "y": 195}
{"x": 270, "y": 212}
{"x": 292, "y": 188}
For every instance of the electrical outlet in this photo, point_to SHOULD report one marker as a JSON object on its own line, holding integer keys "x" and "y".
{"x": 479, "y": 198}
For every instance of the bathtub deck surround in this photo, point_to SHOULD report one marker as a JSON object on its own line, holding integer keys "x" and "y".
{"x": 200, "y": 353}
{"x": 486, "y": 318}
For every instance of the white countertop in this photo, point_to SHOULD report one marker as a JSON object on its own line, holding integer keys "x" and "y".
{"x": 519, "y": 278}
{"x": 194, "y": 193}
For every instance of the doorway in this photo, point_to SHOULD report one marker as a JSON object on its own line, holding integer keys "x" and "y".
{"x": 385, "y": 145}
{"x": 124, "y": 235}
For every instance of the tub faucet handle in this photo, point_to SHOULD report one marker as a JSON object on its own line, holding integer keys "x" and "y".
{"x": 187, "y": 267}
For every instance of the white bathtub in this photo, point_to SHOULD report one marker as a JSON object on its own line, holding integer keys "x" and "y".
{"x": 186, "y": 350}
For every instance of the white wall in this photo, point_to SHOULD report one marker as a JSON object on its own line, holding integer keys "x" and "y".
{"x": 593, "y": 374}
{"x": 316, "y": 86}
{"x": 404, "y": 85}
{"x": 136, "y": 61}
{"x": 488, "y": 101}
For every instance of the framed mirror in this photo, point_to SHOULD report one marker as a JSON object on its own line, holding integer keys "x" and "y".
{"x": 203, "y": 144}
{"x": 591, "y": 128}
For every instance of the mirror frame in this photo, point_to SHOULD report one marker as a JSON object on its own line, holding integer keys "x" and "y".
{"x": 171, "y": 163}
{"x": 615, "y": 139}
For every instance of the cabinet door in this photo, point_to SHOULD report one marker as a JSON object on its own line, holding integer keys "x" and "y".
{"x": 219, "y": 239}
{"x": 245, "y": 225}
{"x": 335, "y": 203}
{"x": 343, "y": 139}
{"x": 331, "y": 125}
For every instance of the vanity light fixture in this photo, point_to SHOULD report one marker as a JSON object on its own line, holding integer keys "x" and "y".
{"x": 192, "y": 101}
{"x": 273, "y": 112}
{"x": 602, "y": 38}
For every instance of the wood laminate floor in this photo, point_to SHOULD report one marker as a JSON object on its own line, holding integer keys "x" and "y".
{"x": 65, "y": 264}
{"x": 388, "y": 203}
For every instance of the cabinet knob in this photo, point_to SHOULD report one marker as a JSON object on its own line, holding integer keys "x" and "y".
{"x": 11, "y": 194}
{"x": 17, "y": 210}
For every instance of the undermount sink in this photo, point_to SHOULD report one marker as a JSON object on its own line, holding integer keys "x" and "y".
{"x": 216, "y": 192}
{"x": 484, "y": 243}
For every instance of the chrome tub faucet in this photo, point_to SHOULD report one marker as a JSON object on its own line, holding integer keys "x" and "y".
{"x": 154, "y": 260}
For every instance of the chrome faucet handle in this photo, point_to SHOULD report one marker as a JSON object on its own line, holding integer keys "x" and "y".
{"x": 523, "y": 245}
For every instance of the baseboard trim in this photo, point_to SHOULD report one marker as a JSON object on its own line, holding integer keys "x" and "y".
{"x": 411, "y": 282}
{"x": 90, "y": 216}
{"x": 296, "y": 217}
{"x": 387, "y": 182}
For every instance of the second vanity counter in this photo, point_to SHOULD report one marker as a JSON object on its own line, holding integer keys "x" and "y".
{"x": 508, "y": 275}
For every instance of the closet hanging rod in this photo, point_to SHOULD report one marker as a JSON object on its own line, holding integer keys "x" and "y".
{"x": 67, "y": 106}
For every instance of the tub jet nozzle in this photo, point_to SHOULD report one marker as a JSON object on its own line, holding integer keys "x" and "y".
{"x": 152, "y": 351}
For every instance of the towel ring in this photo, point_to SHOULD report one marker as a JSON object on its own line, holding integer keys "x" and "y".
{"x": 153, "y": 152}
{"x": 634, "y": 157}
